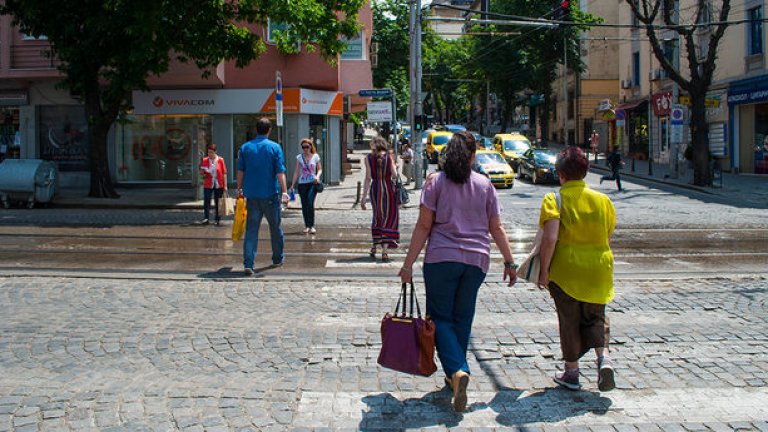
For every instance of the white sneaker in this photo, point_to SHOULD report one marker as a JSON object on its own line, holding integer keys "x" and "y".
{"x": 312, "y": 230}
{"x": 306, "y": 230}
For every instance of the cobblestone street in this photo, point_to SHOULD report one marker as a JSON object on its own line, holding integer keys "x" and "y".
{"x": 140, "y": 354}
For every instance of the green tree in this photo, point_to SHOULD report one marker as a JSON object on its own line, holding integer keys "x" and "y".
{"x": 390, "y": 23}
{"x": 107, "y": 48}
{"x": 700, "y": 27}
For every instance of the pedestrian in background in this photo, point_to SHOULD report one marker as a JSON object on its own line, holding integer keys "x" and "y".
{"x": 407, "y": 167}
{"x": 308, "y": 171}
{"x": 459, "y": 208}
{"x": 380, "y": 172}
{"x": 615, "y": 164}
{"x": 261, "y": 180}
{"x": 577, "y": 267}
{"x": 214, "y": 171}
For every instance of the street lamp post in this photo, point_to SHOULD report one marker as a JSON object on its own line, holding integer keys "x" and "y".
{"x": 415, "y": 87}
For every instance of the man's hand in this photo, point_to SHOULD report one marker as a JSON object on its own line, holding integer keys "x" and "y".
{"x": 285, "y": 198}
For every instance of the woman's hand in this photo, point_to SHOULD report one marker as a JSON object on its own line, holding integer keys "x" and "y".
{"x": 317, "y": 179}
{"x": 406, "y": 274}
{"x": 511, "y": 273}
{"x": 543, "y": 282}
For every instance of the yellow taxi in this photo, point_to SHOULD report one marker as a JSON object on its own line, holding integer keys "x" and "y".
{"x": 491, "y": 164}
{"x": 511, "y": 146}
{"x": 436, "y": 142}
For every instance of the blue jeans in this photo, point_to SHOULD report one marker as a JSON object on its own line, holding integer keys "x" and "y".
{"x": 258, "y": 208}
{"x": 451, "y": 295}
{"x": 308, "y": 194}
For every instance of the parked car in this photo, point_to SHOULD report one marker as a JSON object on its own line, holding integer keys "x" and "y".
{"x": 436, "y": 141}
{"x": 492, "y": 165}
{"x": 539, "y": 165}
{"x": 483, "y": 143}
{"x": 511, "y": 146}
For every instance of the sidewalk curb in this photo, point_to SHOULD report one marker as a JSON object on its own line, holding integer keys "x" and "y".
{"x": 600, "y": 169}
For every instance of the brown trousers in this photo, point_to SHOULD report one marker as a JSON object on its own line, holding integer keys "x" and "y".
{"x": 582, "y": 325}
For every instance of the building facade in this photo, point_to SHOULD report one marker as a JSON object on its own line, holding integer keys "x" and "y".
{"x": 165, "y": 136}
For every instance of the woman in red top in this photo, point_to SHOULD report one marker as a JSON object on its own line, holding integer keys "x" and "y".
{"x": 214, "y": 172}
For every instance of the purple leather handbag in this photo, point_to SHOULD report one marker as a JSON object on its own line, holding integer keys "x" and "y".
{"x": 408, "y": 342}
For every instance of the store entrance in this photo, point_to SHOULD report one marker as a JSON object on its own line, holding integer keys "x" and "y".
{"x": 318, "y": 132}
{"x": 10, "y": 138}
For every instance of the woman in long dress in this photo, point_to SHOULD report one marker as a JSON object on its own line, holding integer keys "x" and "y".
{"x": 380, "y": 172}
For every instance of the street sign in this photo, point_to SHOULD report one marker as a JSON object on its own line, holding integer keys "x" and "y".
{"x": 676, "y": 124}
{"x": 380, "y": 111}
{"x": 375, "y": 93}
{"x": 279, "y": 98}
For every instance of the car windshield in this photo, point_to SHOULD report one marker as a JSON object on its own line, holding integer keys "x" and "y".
{"x": 545, "y": 156}
{"x": 440, "y": 139}
{"x": 488, "y": 158}
{"x": 516, "y": 145}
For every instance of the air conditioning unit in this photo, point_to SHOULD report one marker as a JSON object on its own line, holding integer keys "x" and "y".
{"x": 374, "y": 60}
{"x": 627, "y": 83}
{"x": 654, "y": 75}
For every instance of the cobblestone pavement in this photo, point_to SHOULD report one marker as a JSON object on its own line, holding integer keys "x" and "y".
{"x": 103, "y": 354}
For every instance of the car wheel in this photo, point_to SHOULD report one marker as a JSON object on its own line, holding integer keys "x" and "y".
{"x": 519, "y": 174}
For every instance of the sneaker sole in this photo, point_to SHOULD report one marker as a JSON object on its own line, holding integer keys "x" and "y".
{"x": 567, "y": 385}
{"x": 460, "y": 394}
{"x": 605, "y": 381}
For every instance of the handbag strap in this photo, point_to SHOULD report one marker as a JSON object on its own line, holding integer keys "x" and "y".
{"x": 403, "y": 297}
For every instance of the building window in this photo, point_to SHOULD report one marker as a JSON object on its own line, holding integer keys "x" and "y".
{"x": 636, "y": 68}
{"x": 755, "y": 35}
{"x": 27, "y": 37}
{"x": 354, "y": 50}
{"x": 273, "y": 28}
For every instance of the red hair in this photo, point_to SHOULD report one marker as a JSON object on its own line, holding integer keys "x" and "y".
{"x": 573, "y": 163}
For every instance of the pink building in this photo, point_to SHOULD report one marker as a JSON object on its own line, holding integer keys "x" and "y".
{"x": 172, "y": 123}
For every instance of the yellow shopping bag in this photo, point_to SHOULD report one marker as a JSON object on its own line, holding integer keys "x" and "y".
{"x": 238, "y": 228}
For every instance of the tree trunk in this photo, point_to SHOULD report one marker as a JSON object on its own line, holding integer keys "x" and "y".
{"x": 507, "y": 114}
{"x": 98, "y": 129}
{"x": 700, "y": 134}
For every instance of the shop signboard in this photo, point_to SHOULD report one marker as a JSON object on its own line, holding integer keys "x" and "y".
{"x": 380, "y": 111}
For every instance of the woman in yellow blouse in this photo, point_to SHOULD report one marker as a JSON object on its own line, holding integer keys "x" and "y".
{"x": 577, "y": 267}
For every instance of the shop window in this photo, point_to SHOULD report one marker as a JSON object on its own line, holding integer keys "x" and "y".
{"x": 64, "y": 137}
{"x": 10, "y": 137}
{"x": 161, "y": 148}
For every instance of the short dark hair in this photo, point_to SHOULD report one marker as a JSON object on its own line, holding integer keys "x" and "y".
{"x": 573, "y": 163}
{"x": 263, "y": 126}
{"x": 458, "y": 157}
{"x": 212, "y": 146}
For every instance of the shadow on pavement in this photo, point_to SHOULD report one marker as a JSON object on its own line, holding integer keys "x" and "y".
{"x": 516, "y": 408}
{"x": 386, "y": 412}
{"x": 229, "y": 273}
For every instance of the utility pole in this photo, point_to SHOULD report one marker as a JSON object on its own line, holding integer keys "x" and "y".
{"x": 417, "y": 117}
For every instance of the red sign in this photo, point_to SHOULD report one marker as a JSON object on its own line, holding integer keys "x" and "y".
{"x": 661, "y": 103}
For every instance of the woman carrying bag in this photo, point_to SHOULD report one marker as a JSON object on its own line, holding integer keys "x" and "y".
{"x": 214, "y": 172}
{"x": 459, "y": 208}
{"x": 577, "y": 267}
{"x": 308, "y": 171}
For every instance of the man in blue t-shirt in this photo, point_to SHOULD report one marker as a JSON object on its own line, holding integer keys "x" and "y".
{"x": 261, "y": 180}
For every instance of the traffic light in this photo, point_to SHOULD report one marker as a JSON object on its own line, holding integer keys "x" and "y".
{"x": 418, "y": 122}
{"x": 561, "y": 10}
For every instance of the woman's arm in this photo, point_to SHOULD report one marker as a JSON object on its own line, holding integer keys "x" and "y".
{"x": 418, "y": 239}
{"x": 548, "y": 242}
{"x": 318, "y": 172}
{"x": 366, "y": 184}
{"x": 295, "y": 174}
{"x": 499, "y": 235}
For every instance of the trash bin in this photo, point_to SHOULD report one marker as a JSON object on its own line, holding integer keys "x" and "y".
{"x": 27, "y": 180}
